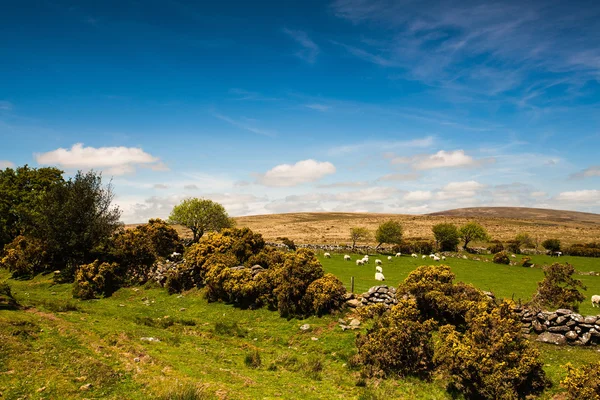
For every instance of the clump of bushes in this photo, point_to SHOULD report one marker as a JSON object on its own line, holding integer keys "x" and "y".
{"x": 526, "y": 262}
{"x": 584, "y": 250}
{"x": 491, "y": 359}
{"x": 559, "y": 289}
{"x": 96, "y": 279}
{"x": 289, "y": 243}
{"x": 496, "y": 247}
{"x": 6, "y": 298}
{"x": 25, "y": 257}
{"x": 399, "y": 343}
{"x": 325, "y": 295}
{"x": 422, "y": 246}
{"x": 552, "y": 245}
{"x": 501, "y": 258}
{"x": 582, "y": 383}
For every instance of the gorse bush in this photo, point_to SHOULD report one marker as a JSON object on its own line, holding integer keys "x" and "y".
{"x": 559, "y": 289}
{"x": 491, "y": 359}
{"x": 582, "y": 383}
{"x": 526, "y": 262}
{"x": 501, "y": 258}
{"x": 6, "y": 298}
{"x": 25, "y": 257}
{"x": 163, "y": 238}
{"x": 325, "y": 295}
{"x": 398, "y": 344}
{"x": 584, "y": 250}
{"x": 96, "y": 279}
{"x": 289, "y": 243}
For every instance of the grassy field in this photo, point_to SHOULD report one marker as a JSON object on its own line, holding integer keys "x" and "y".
{"x": 58, "y": 344}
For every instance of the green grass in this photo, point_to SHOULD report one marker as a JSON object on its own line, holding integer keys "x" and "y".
{"x": 503, "y": 280}
{"x": 211, "y": 350}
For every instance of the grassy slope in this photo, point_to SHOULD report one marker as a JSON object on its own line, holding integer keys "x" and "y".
{"x": 99, "y": 340}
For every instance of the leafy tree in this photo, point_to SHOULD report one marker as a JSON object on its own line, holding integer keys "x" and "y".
{"x": 525, "y": 240}
{"x": 358, "y": 234}
{"x": 552, "y": 245}
{"x": 74, "y": 219}
{"x": 200, "y": 216}
{"x": 20, "y": 190}
{"x": 389, "y": 232}
{"x": 446, "y": 236}
{"x": 472, "y": 231}
{"x": 558, "y": 289}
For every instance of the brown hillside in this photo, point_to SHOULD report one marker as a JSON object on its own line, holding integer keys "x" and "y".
{"x": 534, "y": 214}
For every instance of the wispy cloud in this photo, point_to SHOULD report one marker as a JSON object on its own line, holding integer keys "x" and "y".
{"x": 6, "y": 164}
{"x": 589, "y": 172}
{"x": 400, "y": 177}
{"x": 244, "y": 125}
{"x": 424, "y": 142}
{"x": 318, "y": 107}
{"x": 442, "y": 159}
{"x": 310, "y": 49}
{"x": 241, "y": 94}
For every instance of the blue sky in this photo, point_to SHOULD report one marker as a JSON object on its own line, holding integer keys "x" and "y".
{"x": 348, "y": 105}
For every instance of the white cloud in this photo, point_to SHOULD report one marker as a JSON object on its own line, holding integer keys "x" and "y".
{"x": 310, "y": 49}
{"x": 538, "y": 194}
{"x": 587, "y": 173}
{"x": 190, "y": 187}
{"x": 160, "y": 186}
{"x": 245, "y": 126}
{"x": 441, "y": 159}
{"x": 459, "y": 190}
{"x": 296, "y": 174}
{"x": 418, "y": 195}
{"x": 6, "y": 164}
{"x": 114, "y": 160}
{"x": 580, "y": 196}
{"x": 383, "y": 145}
{"x": 343, "y": 184}
{"x": 400, "y": 177}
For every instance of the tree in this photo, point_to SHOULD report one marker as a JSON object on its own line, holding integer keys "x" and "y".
{"x": 389, "y": 232}
{"x": 522, "y": 240}
{"x": 552, "y": 245}
{"x": 74, "y": 219}
{"x": 559, "y": 289}
{"x": 20, "y": 190}
{"x": 446, "y": 236}
{"x": 472, "y": 231}
{"x": 357, "y": 234}
{"x": 200, "y": 215}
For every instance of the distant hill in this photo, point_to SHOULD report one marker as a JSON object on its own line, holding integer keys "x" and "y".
{"x": 522, "y": 213}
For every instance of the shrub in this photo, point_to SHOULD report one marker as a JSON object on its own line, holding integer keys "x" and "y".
{"x": 552, "y": 245}
{"x": 415, "y": 246}
{"x": 25, "y": 257}
{"x": 252, "y": 359}
{"x": 446, "y": 236}
{"x": 526, "y": 262}
{"x": 291, "y": 280}
{"x": 289, "y": 243}
{"x": 438, "y": 297}
{"x": 492, "y": 359}
{"x": 325, "y": 295}
{"x": 95, "y": 279}
{"x": 133, "y": 250}
{"x": 496, "y": 247}
{"x": 6, "y": 298}
{"x": 268, "y": 257}
{"x": 514, "y": 247}
{"x": 582, "y": 383}
{"x": 584, "y": 250}
{"x": 501, "y": 258}
{"x": 558, "y": 289}
{"x": 163, "y": 238}
{"x": 399, "y": 343}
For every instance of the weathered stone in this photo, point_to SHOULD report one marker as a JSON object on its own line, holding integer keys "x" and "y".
{"x": 353, "y": 303}
{"x": 586, "y": 326}
{"x": 382, "y": 290}
{"x": 538, "y": 327}
{"x": 577, "y": 318}
{"x": 590, "y": 320}
{"x": 551, "y": 316}
{"x": 585, "y": 338}
{"x": 563, "y": 311}
{"x": 559, "y": 329}
{"x": 305, "y": 327}
{"x": 571, "y": 323}
{"x": 571, "y": 335}
{"x": 87, "y": 386}
{"x": 525, "y": 330}
{"x": 594, "y": 332}
{"x": 553, "y": 338}
{"x": 355, "y": 322}
{"x": 149, "y": 339}
{"x": 561, "y": 320}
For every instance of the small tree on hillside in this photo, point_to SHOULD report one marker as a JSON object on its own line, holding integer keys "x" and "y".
{"x": 358, "y": 234}
{"x": 522, "y": 240}
{"x": 446, "y": 236}
{"x": 389, "y": 232}
{"x": 552, "y": 245}
{"x": 200, "y": 216}
{"x": 559, "y": 289}
{"x": 472, "y": 231}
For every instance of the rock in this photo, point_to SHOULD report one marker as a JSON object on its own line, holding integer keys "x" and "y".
{"x": 137, "y": 360}
{"x": 571, "y": 323}
{"x": 349, "y": 296}
{"x": 555, "y": 329}
{"x": 87, "y": 386}
{"x": 590, "y": 320}
{"x": 538, "y": 327}
{"x": 551, "y": 316}
{"x": 355, "y": 322}
{"x": 305, "y": 327}
{"x": 571, "y": 335}
{"x": 577, "y": 318}
{"x": 563, "y": 311}
{"x": 561, "y": 320}
{"x": 149, "y": 339}
{"x": 353, "y": 303}
{"x": 553, "y": 338}
{"x": 382, "y": 290}
{"x": 314, "y": 338}
{"x": 40, "y": 390}
{"x": 585, "y": 338}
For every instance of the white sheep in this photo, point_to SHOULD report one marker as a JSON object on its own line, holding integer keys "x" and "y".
{"x": 436, "y": 258}
{"x": 513, "y": 256}
{"x": 379, "y": 276}
{"x": 443, "y": 257}
{"x": 431, "y": 255}
{"x": 389, "y": 258}
{"x": 360, "y": 262}
{"x": 327, "y": 255}
{"x": 378, "y": 269}
{"x": 365, "y": 260}
{"x": 596, "y": 300}
{"x": 424, "y": 256}
{"x": 378, "y": 262}
{"x": 347, "y": 257}
{"x": 413, "y": 255}
{"x": 398, "y": 254}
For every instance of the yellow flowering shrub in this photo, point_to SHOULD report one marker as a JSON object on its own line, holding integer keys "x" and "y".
{"x": 96, "y": 279}
{"x": 582, "y": 383}
{"x": 325, "y": 295}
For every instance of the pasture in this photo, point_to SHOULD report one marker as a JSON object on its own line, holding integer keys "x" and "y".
{"x": 503, "y": 280}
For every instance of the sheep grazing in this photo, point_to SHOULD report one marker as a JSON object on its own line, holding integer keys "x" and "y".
{"x": 378, "y": 262}
{"x": 379, "y": 276}
{"x": 513, "y": 256}
{"x": 347, "y": 257}
{"x": 436, "y": 258}
{"x": 413, "y": 255}
{"x": 431, "y": 255}
{"x": 398, "y": 254}
{"x": 327, "y": 255}
{"x": 443, "y": 257}
{"x": 424, "y": 256}
{"x": 389, "y": 258}
{"x": 360, "y": 262}
{"x": 378, "y": 269}
{"x": 596, "y": 300}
